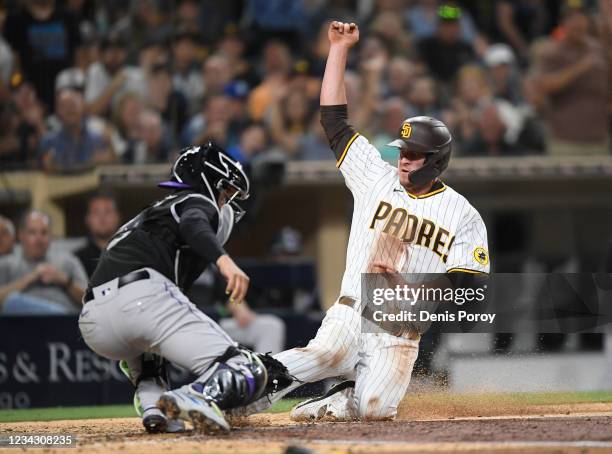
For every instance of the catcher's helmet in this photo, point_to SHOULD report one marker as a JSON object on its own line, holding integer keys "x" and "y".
{"x": 430, "y": 136}
{"x": 209, "y": 171}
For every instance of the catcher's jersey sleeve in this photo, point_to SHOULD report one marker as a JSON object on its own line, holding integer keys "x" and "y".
{"x": 470, "y": 251}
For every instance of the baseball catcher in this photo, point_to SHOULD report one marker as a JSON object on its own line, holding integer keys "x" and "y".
{"x": 134, "y": 309}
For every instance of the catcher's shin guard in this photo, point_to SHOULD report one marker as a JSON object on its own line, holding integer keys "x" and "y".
{"x": 241, "y": 377}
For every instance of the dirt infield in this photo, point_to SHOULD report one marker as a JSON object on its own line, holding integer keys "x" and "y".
{"x": 560, "y": 428}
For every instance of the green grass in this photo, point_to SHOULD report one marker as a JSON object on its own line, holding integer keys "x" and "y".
{"x": 103, "y": 411}
{"x": 122, "y": 411}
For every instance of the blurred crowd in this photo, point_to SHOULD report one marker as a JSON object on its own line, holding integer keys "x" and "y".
{"x": 85, "y": 82}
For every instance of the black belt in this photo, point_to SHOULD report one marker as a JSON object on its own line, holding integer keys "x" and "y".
{"x": 123, "y": 281}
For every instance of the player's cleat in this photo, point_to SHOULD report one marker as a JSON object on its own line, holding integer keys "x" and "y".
{"x": 188, "y": 404}
{"x": 154, "y": 421}
{"x": 337, "y": 404}
{"x": 175, "y": 426}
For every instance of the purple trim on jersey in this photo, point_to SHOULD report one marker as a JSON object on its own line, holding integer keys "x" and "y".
{"x": 173, "y": 185}
{"x": 251, "y": 384}
{"x": 198, "y": 387}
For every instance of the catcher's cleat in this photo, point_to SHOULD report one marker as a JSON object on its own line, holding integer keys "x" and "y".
{"x": 154, "y": 421}
{"x": 337, "y": 404}
{"x": 188, "y": 404}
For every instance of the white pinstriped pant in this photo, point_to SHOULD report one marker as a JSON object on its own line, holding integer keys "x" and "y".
{"x": 381, "y": 364}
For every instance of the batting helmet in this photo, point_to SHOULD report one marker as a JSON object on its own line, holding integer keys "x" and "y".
{"x": 430, "y": 136}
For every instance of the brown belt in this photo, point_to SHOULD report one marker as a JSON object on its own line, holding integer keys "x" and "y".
{"x": 405, "y": 332}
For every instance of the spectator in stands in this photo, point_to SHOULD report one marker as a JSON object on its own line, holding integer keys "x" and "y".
{"x": 44, "y": 37}
{"x": 280, "y": 20}
{"x": 392, "y": 110}
{"x": 473, "y": 97}
{"x": 37, "y": 280}
{"x": 186, "y": 75}
{"x": 445, "y": 52}
{"x": 389, "y": 26}
{"x": 187, "y": 15}
{"x": 102, "y": 220}
{"x": 253, "y": 141}
{"x": 211, "y": 124}
{"x": 262, "y": 332}
{"x": 154, "y": 144}
{"x": 148, "y": 21}
{"x": 423, "y": 98}
{"x": 233, "y": 47}
{"x": 290, "y": 117}
{"x": 484, "y": 125}
{"x": 519, "y": 22}
{"x": 503, "y": 74}
{"x": 21, "y": 125}
{"x": 165, "y": 99}
{"x": 216, "y": 74}
{"x": 422, "y": 20}
{"x": 277, "y": 68}
{"x": 106, "y": 78}
{"x": 573, "y": 74}
{"x": 237, "y": 92}
{"x": 75, "y": 144}
{"x": 401, "y": 74}
{"x": 7, "y": 236}
{"x": 488, "y": 136}
{"x": 126, "y": 119}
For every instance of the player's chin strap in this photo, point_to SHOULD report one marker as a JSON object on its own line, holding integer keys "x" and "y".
{"x": 241, "y": 377}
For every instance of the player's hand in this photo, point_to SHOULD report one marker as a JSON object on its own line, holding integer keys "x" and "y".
{"x": 237, "y": 280}
{"x": 382, "y": 267}
{"x": 343, "y": 33}
{"x": 387, "y": 255}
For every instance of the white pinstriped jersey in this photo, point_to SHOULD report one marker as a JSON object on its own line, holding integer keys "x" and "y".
{"x": 440, "y": 231}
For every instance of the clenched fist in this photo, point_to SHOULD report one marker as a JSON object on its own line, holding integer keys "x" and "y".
{"x": 343, "y": 33}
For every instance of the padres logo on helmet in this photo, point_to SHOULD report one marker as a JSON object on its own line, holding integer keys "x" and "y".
{"x": 406, "y": 131}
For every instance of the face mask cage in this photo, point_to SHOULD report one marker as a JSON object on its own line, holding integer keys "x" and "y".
{"x": 233, "y": 192}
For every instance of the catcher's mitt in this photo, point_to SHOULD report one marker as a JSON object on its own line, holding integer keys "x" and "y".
{"x": 278, "y": 375}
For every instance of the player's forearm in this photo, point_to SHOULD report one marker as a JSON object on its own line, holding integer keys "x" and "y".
{"x": 333, "y": 91}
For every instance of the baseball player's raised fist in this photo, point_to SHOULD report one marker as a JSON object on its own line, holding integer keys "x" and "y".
{"x": 343, "y": 33}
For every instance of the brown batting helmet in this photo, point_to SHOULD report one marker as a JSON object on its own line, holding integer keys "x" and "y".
{"x": 430, "y": 136}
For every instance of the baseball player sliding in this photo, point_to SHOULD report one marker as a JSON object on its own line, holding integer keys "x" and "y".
{"x": 405, "y": 219}
{"x": 135, "y": 310}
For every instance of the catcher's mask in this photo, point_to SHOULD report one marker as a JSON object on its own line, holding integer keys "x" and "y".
{"x": 211, "y": 172}
{"x": 431, "y": 137}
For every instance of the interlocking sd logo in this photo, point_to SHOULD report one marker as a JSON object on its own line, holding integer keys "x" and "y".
{"x": 406, "y": 130}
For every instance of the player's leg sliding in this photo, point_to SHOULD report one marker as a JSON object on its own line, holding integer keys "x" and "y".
{"x": 332, "y": 353}
{"x": 337, "y": 404}
{"x": 383, "y": 376}
{"x": 148, "y": 374}
{"x": 237, "y": 379}
{"x": 384, "y": 371}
